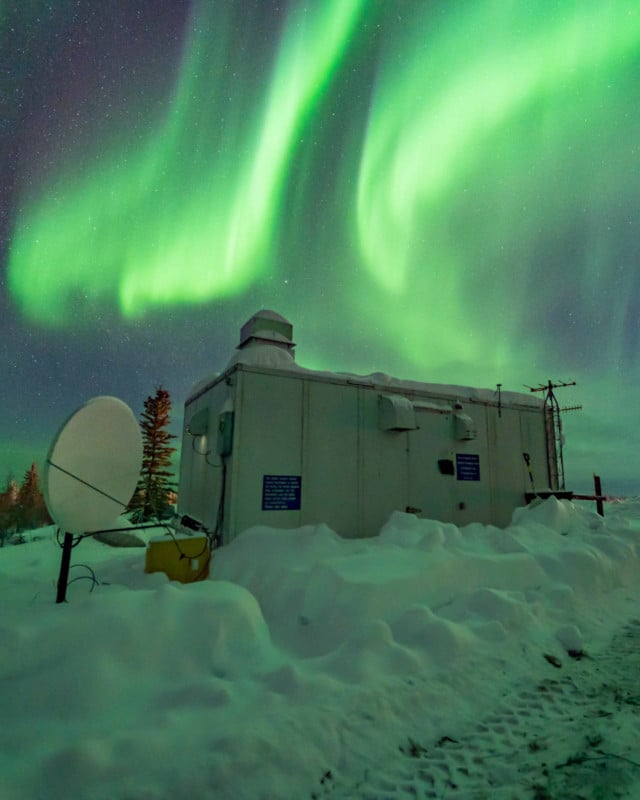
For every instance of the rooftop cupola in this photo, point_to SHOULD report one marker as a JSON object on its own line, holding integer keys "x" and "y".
{"x": 267, "y": 327}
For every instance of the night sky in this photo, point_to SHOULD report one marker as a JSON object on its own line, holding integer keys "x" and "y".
{"x": 443, "y": 191}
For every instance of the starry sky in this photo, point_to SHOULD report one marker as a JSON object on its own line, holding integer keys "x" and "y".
{"x": 446, "y": 192}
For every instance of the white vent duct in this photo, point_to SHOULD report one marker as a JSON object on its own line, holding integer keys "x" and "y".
{"x": 396, "y": 413}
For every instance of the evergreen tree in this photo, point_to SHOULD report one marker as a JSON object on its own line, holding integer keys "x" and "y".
{"x": 156, "y": 487}
{"x": 11, "y": 490}
{"x": 8, "y": 509}
{"x": 30, "y": 508}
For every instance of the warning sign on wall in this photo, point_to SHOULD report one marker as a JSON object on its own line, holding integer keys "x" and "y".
{"x": 468, "y": 466}
{"x": 281, "y": 492}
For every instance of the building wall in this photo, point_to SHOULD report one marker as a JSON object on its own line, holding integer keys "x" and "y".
{"x": 326, "y": 459}
{"x": 200, "y": 464}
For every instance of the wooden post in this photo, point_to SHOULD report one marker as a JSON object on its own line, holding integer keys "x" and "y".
{"x": 598, "y": 493}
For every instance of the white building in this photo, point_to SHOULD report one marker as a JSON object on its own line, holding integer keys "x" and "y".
{"x": 267, "y": 442}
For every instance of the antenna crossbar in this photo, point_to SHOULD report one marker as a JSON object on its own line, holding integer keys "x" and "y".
{"x": 550, "y": 386}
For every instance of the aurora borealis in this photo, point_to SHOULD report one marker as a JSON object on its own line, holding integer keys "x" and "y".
{"x": 441, "y": 191}
{"x": 202, "y": 190}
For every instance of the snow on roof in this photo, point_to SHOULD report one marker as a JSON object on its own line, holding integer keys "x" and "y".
{"x": 266, "y": 313}
{"x": 255, "y": 350}
{"x": 260, "y": 354}
{"x": 201, "y": 385}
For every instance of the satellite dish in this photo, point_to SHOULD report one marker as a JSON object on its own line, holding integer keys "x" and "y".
{"x": 93, "y": 466}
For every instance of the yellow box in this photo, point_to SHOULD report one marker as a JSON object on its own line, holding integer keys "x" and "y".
{"x": 183, "y": 558}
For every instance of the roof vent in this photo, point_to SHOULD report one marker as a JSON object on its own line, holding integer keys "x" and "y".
{"x": 267, "y": 327}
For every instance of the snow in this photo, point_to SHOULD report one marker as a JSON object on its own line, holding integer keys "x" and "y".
{"x": 428, "y": 661}
{"x": 262, "y": 355}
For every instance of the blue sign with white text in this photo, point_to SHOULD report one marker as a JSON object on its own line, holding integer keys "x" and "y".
{"x": 468, "y": 466}
{"x": 281, "y": 492}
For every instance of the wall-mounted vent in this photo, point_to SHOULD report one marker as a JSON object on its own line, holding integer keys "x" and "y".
{"x": 464, "y": 428}
{"x": 198, "y": 425}
{"x": 396, "y": 413}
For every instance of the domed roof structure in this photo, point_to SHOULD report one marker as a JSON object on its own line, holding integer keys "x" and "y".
{"x": 268, "y": 327}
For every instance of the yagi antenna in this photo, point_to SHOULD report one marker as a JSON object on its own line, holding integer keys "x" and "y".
{"x": 555, "y": 441}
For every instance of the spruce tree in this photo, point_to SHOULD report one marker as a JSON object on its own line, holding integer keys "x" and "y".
{"x": 8, "y": 509}
{"x": 152, "y": 498}
{"x": 31, "y": 510}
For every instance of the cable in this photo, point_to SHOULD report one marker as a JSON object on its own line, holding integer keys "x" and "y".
{"x": 210, "y": 542}
{"x": 206, "y": 460}
{"x": 175, "y": 541}
{"x": 527, "y": 461}
{"x": 214, "y": 538}
{"x": 92, "y": 577}
{"x": 86, "y": 483}
{"x": 76, "y": 541}
{"x": 217, "y": 531}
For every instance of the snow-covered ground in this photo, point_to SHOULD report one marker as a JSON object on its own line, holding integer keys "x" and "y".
{"x": 429, "y": 661}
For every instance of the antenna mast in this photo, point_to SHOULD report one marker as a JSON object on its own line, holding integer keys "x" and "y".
{"x": 552, "y": 410}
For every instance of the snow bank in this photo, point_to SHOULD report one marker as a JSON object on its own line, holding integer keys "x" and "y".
{"x": 303, "y": 653}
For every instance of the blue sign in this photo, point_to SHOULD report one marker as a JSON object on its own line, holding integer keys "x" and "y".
{"x": 468, "y": 466}
{"x": 281, "y": 492}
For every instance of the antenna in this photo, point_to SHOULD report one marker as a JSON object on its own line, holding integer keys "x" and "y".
{"x": 91, "y": 472}
{"x": 92, "y": 466}
{"x": 555, "y": 437}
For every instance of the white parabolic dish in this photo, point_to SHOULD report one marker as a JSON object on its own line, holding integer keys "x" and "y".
{"x": 93, "y": 466}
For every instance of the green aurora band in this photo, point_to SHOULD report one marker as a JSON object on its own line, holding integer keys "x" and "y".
{"x": 493, "y": 126}
{"x": 485, "y": 154}
{"x": 179, "y": 221}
